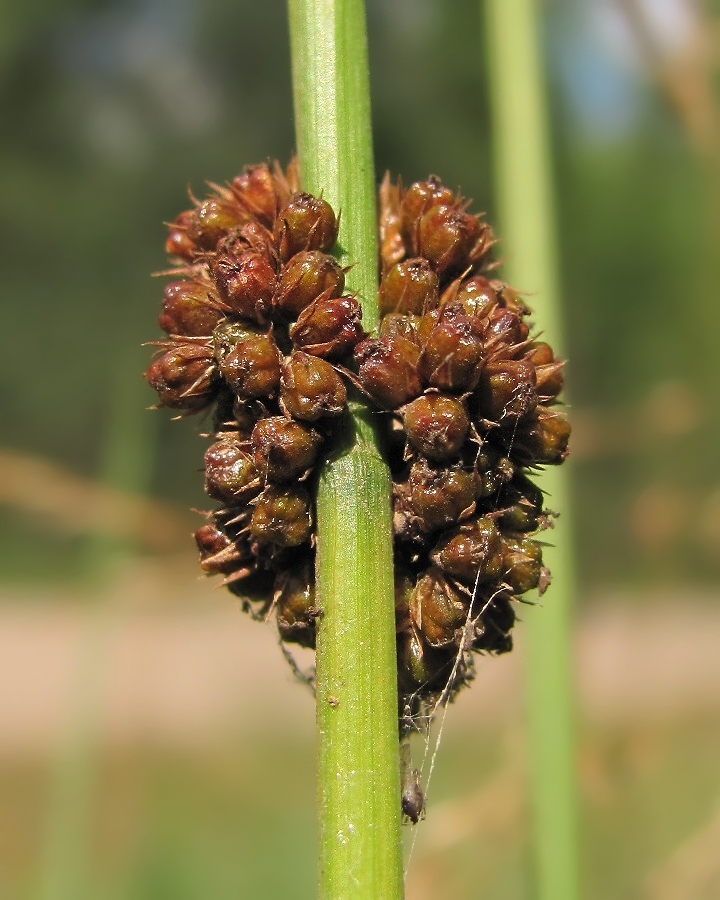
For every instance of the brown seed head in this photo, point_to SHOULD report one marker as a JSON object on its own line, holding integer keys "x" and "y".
{"x": 437, "y": 609}
{"x": 409, "y": 287}
{"x": 281, "y": 517}
{"x": 256, "y": 191}
{"x": 507, "y": 390}
{"x": 178, "y": 244}
{"x": 303, "y": 279}
{"x": 436, "y": 425}
{"x": 283, "y": 449}
{"x": 417, "y": 200}
{"x": 230, "y": 474}
{"x": 387, "y": 370}
{"x": 252, "y": 368}
{"x": 310, "y": 388}
{"x": 445, "y": 236}
{"x": 190, "y": 308}
{"x": 185, "y": 377}
{"x": 472, "y": 553}
{"x": 329, "y": 327}
{"x": 305, "y": 223}
{"x": 212, "y": 220}
{"x": 295, "y": 605}
{"x": 440, "y": 496}
{"x": 452, "y": 354}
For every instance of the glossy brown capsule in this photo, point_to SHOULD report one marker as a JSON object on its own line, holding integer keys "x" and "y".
{"x": 522, "y": 563}
{"x": 212, "y": 220}
{"x": 191, "y": 308}
{"x": 219, "y": 555}
{"x": 417, "y": 200}
{"x": 507, "y": 390}
{"x": 295, "y": 608}
{"x": 245, "y": 278}
{"x": 252, "y": 367}
{"x": 436, "y": 426}
{"x": 476, "y": 295}
{"x": 230, "y": 473}
{"x": 542, "y": 439}
{"x": 305, "y": 223}
{"x": 472, "y": 553}
{"x": 440, "y": 496}
{"x": 178, "y": 244}
{"x": 185, "y": 377}
{"x": 303, "y": 279}
{"x": 329, "y": 327}
{"x": 445, "y": 237}
{"x": 257, "y": 192}
{"x": 310, "y": 388}
{"x": 452, "y": 354}
{"x": 521, "y": 503}
{"x": 387, "y": 370}
{"x": 409, "y": 287}
{"x": 283, "y": 449}
{"x": 437, "y": 609}
{"x": 281, "y": 517}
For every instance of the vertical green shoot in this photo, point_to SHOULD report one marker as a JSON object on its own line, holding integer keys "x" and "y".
{"x": 358, "y": 765}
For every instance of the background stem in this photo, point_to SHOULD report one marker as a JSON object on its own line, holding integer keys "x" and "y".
{"x": 527, "y": 224}
{"x": 358, "y": 764}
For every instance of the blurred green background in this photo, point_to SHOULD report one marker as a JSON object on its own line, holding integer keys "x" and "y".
{"x": 151, "y": 743}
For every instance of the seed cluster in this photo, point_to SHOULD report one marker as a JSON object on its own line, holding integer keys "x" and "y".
{"x": 259, "y": 330}
{"x": 257, "y": 323}
{"x": 471, "y": 399}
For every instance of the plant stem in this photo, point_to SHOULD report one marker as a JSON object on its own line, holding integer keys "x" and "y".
{"x": 358, "y": 757}
{"x": 524, "y": 199}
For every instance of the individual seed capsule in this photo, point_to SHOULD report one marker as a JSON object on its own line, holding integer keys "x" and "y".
{"x": 256, "y": 191}
{"x": 506, "y": 391}
{"x": 437, "y": 609}
{"x": 522, "y": 563}
{"x": 417, "y": 200}
{"x": 283, "y": 449}
{"x": 329, "y": 327}
{"x": 476, "y": 295}
{"x": 305, "y": 223}
{"x": 190, "y": 308}
{"x": 492, "y": 470}
{"x": 436, "y": 426}
{"x": 542, "y": 439}
{"x": 421, "y": 666}
{"x": 521, "y": 504}
{"x": 452, "y": 354}
{"x": 493, "y": 627}
{"x": 230, "y": 473}
{"x": 295, "y": 608}
{"x": 303, "y": 279}
{"x": 503, "y": 329}
{"x": 281, "y": 517}
{"x": 229, "y": 333}
{"x": 410, "y": 287}
{"x": 178, "y": 244}
{"x": 252, "y": 367}
{"x": 472, "y": 553}
{"x": 510, "y": 299}
{"x": 245, "y": 278}
{"x": 219, "y": 555}
{"x": 387, "y": 370}
{"x": 548, "y": 369}
{"x": 445, "y": 236}
{"x": 399, "y": 325}
{"x": 185, "y": 377}
{"x": 310, "y": 388}
{"x": 440, "y": 496}
{"x": 212, "y": 220}
{"x": 392, "y": 248}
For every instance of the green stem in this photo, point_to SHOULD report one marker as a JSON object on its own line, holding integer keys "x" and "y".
{"x": 358, "y": 762}
{"x": 527, "y": 223}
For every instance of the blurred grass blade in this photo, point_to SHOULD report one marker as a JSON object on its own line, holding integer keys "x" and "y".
{"x": 526, "y": 222}
{"x": 358, "y": 752}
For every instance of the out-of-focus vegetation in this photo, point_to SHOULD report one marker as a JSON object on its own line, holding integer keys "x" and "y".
{"x": 110, "y": 111}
